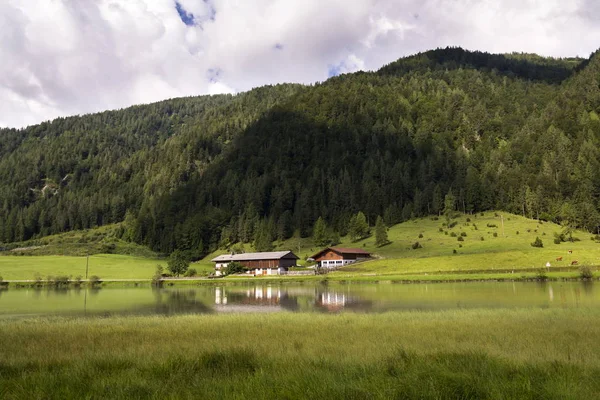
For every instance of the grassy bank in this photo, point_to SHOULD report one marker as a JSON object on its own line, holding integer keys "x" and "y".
{"x": 454, "y": 354}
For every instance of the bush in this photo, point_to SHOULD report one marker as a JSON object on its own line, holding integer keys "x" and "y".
{"x": 446, "y": 233}
{"x": 234, "y": 267}
{"x": 158, "y": 275}
{"x": 454, "y": 251}
{"x": 586, "y": 273}
{"x": 596, "y": 238}
{"x": 495, "y": 234}
{"x": 537, "y": 242}
{"x": 517, "y": 232}
{"x": 557, "y": 241}
{"x": 475, "y": 227}
{"x": 463, "y": 234}
{"x": 452, "y": 224}
{"x": 461, "y": 239}
{"x": 460, "y": 245}
{"x": 420, "y": 236}
{"x": 453, "y": 234}
{"x": 541, "y": 275}
{"x": 492, "y": 225}
{"x": 95, "y": 280}
{"x": 482, "y": 238}
{"x": 190, "y": 273}
{"x": 416, "y": 245}
{"x": 468, "y": 219}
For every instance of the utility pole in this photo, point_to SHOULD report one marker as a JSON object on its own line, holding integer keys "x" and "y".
{"x": 87, "y": 265}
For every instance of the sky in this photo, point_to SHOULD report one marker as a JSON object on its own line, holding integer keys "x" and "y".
{"x": 70, "y": 57}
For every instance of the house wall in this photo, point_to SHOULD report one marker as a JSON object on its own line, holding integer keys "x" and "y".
{"x": 287, "y": 262}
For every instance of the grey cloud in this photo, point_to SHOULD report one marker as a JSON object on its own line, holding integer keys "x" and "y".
{"x": 67, "y": 57}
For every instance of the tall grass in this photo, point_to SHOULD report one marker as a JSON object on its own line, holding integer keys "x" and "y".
{"x": 475, "y": 354}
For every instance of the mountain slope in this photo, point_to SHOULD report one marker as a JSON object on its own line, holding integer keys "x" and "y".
{"x": 513, "y": 132}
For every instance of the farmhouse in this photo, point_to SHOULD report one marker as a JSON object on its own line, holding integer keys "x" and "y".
{"x": 265, "y": 263}
{"x": 333, "y": 257}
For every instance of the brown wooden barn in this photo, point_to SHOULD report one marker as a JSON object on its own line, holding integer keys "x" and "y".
{"x": 333, "y": 257}
{"x": 265, "y": 263}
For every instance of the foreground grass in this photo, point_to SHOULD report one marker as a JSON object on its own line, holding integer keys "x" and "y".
{"x": 488, "y": 354}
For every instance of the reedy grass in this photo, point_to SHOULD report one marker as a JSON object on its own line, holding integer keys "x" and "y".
{"x": 450, "y": 354}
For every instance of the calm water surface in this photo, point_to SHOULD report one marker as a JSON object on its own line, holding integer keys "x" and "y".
{"x": 311, "y": 297}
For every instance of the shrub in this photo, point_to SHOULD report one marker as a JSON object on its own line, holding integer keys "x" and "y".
{"x": 586, "y": 273}
{"x": 482, "y": 214}
{"x": 541, "y": 275}
{"x": 234, "y": 267}
{"x": 461, "y": 239}
{"x": 158, "y": 275}
{"x": 190, "y": 272}
{"x": 460, "y": 245}
{"x": 453, "y": 234}
{"x": 492, "y": 225}
{"x": 482, "y": 238}
{"x": 452, "y": 224}
{"x": 463, "y": 234}
{"x": 517, "y": 232}
{"x": 557, "y": 241}
{"x": 475, "y": 227}
{"x": 446, "y": 233}
{"x": 454, "y": 251}
{"x": 95, "y": 280}
{"x": 468, "y": 219}
{"x": 441, "y": 229}
{"x": 416, "y": 245}
{"x": 77, "y": 281}
{"x": 495, "y": 234}
{"x": 537, "y": 242}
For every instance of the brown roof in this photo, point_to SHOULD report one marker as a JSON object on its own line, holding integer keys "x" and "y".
{"x": 343, "y": 250}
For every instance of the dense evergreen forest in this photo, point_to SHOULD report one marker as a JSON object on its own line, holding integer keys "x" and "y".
{"x": 516, "y": 132}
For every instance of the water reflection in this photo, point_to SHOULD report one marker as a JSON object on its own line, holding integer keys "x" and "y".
{"x": 331, "y": 298}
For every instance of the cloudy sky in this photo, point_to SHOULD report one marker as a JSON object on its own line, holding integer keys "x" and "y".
{"x": 66, "y": 57}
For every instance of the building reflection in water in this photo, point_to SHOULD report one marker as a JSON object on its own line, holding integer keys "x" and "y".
{"x": 273, "y": 299}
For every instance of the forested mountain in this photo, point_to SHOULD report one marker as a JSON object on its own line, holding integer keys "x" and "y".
{"x": 517, "y": 132}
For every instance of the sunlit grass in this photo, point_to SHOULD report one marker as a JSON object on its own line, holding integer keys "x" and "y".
{"x": 450, "y": 354}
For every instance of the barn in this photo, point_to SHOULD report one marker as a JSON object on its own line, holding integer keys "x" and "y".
{"x": 333, "y": 257}
{"x": 264, "y": 263}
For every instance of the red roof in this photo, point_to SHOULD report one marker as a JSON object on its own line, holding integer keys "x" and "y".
{"x": 349, "y": 250}
{"x": 343, "y": 250}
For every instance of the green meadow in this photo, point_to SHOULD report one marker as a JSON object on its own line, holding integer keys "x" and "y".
{"x": 490, "y": 243}
{"x": 467, "y": 354}
{"x": 106, "y": 266}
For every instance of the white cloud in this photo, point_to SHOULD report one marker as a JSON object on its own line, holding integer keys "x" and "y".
{"x": 63, "y": 57}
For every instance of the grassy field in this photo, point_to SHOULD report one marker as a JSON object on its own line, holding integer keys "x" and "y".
{"x": 491, "y": 354}
{"x": 112, "y": 266}
{"x": 490, "y": 244}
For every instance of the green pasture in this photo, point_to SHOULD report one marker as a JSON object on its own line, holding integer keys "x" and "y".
{"x": 107, "y": 266}
{"x": 479, "y": 354}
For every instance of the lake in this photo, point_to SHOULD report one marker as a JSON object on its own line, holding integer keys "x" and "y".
{"x": 289, "y": 297}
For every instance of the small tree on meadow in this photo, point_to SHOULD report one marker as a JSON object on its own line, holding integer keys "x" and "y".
{"x": 178, "y": 263}
{"x": 449, "y": 204}
{"x": 381, "y": 236}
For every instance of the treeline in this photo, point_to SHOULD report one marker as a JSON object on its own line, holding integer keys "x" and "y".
{"x": 516, "y": 132}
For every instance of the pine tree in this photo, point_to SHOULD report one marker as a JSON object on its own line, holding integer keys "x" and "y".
{"x": 381, "y": 237}
{"x": 359, "y": 228}
{"x": 263, "y": 238}
{"x": 320, "y": 236}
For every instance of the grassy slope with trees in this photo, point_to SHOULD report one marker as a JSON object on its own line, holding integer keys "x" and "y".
{"x": 514, "y": 132}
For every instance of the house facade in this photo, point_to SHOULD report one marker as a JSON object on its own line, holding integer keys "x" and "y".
{"x": 264, "y": 263}
{"x": 334, "y": 257}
